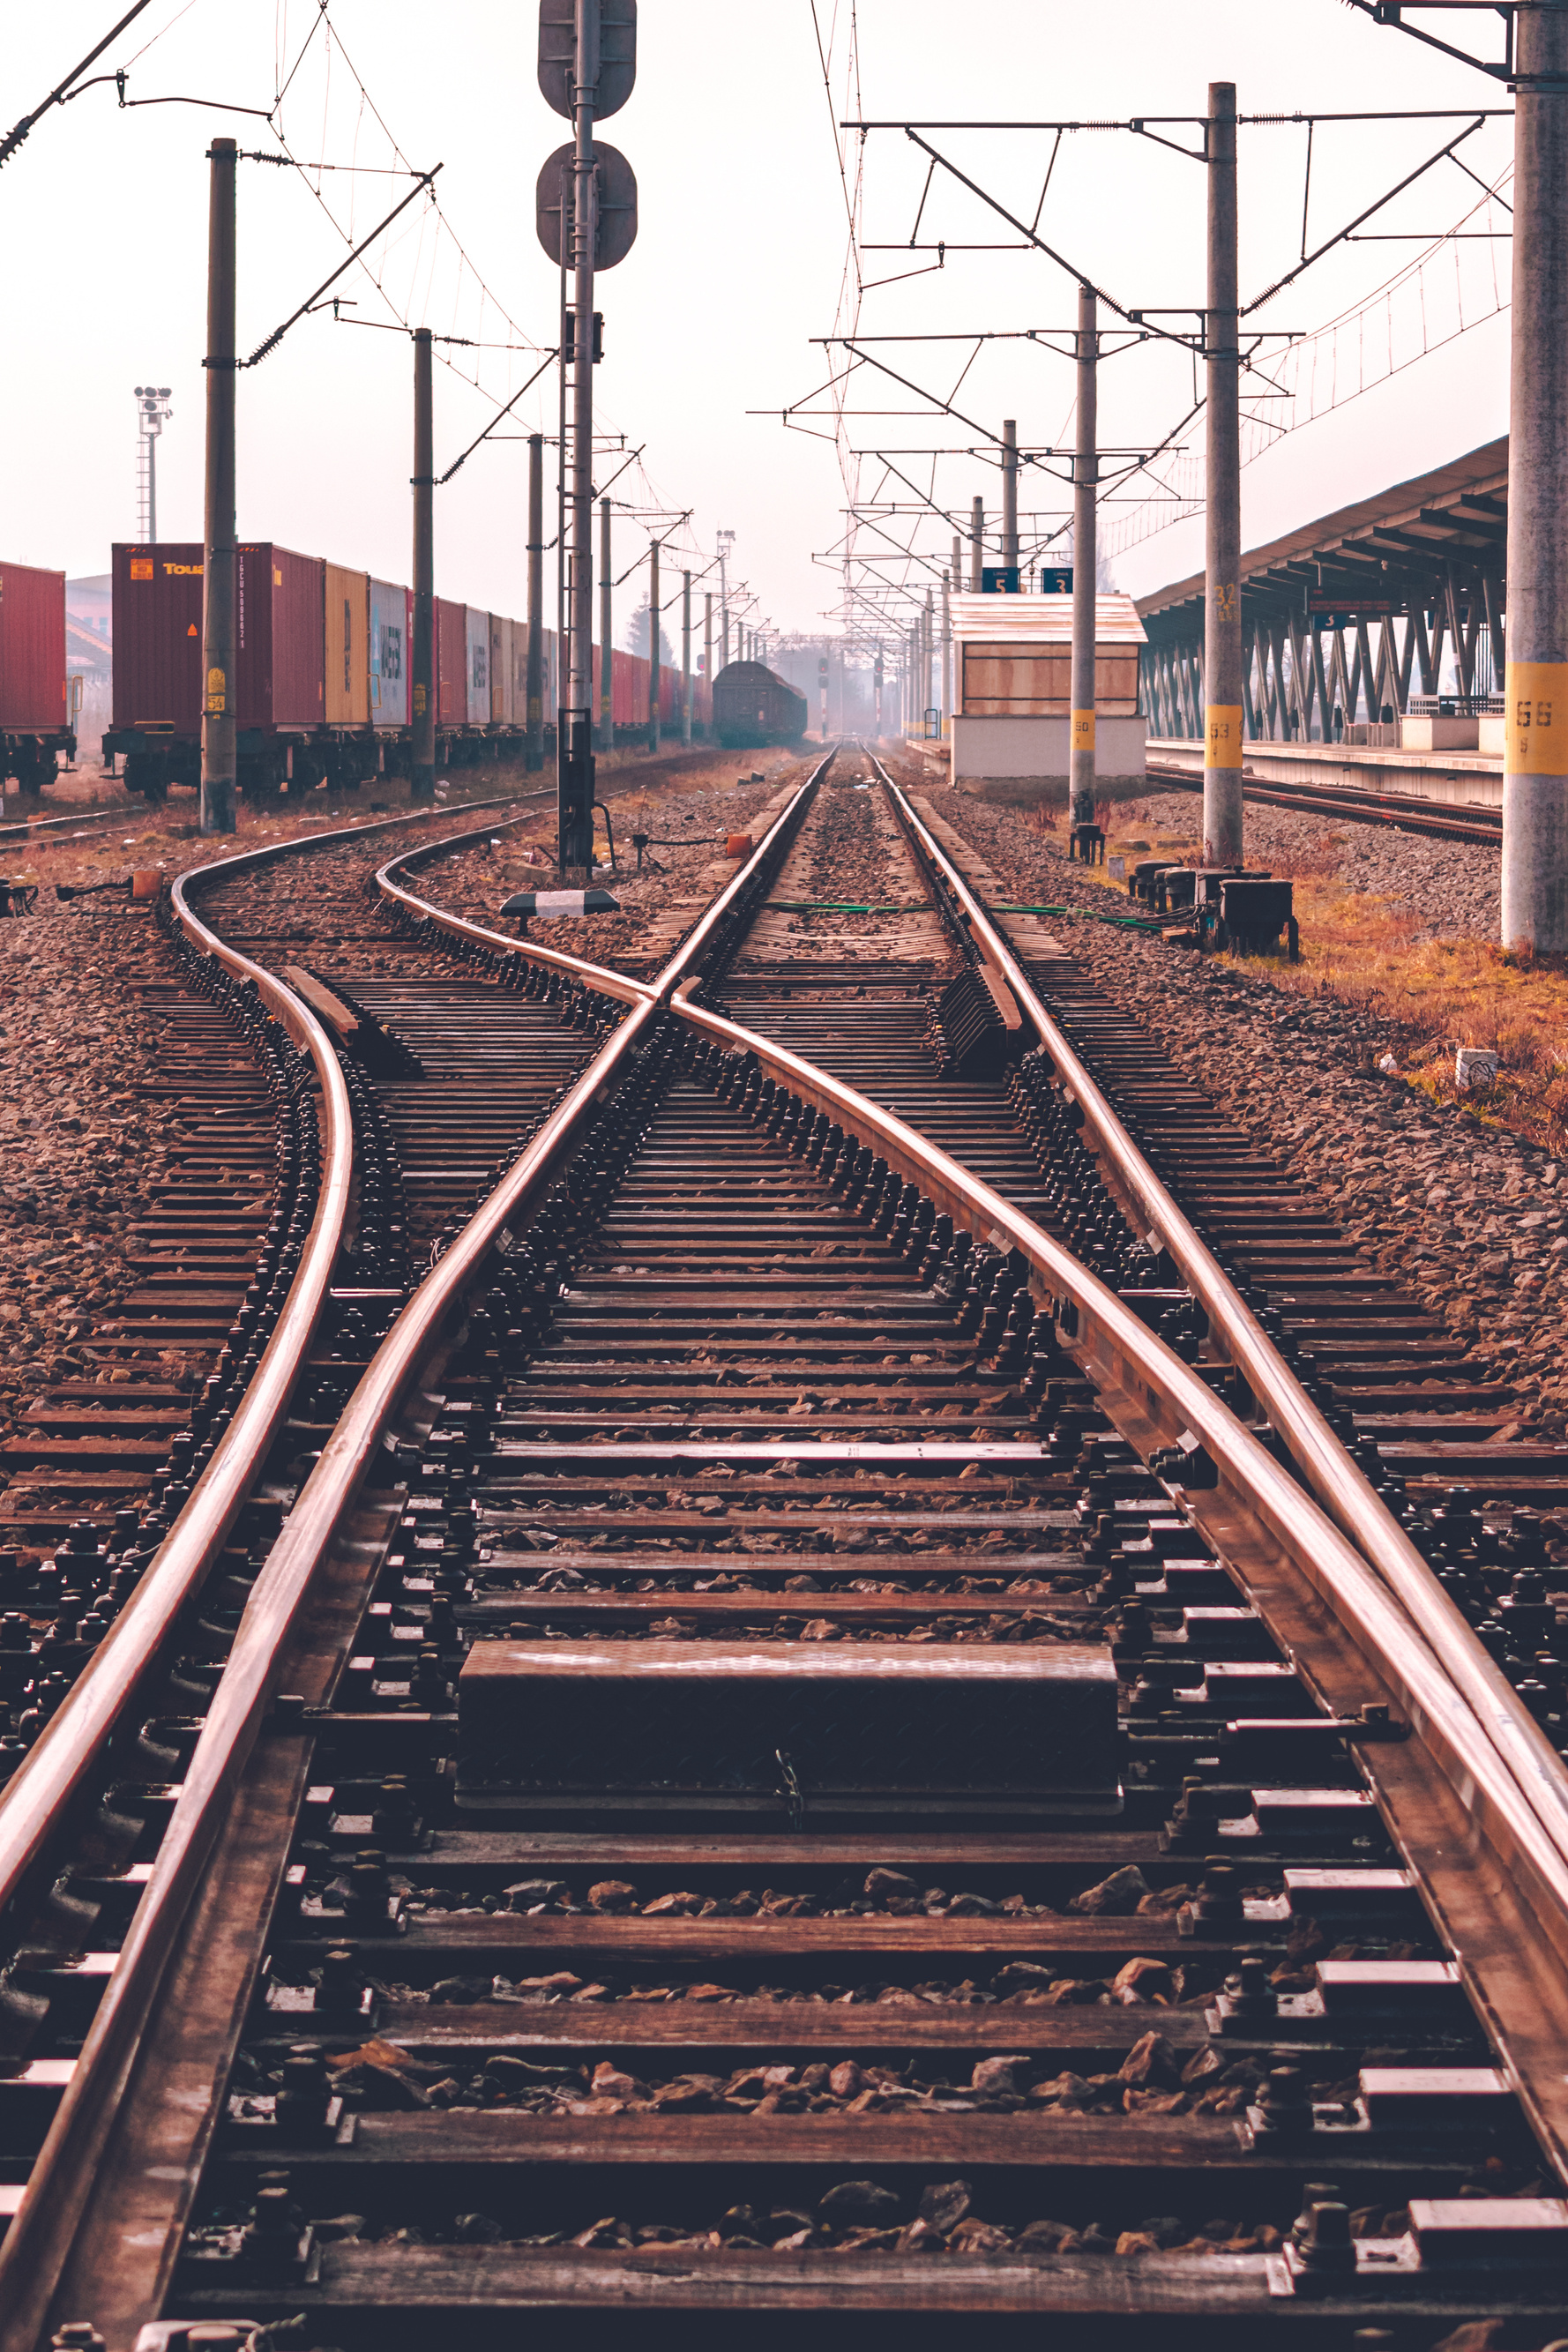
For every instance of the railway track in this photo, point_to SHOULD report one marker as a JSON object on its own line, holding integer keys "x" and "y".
{"x": 825, "y": 1724}
{"x": 1403, "y": 811}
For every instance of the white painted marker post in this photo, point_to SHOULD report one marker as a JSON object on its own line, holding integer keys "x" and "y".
{"x": 553, "y": 905}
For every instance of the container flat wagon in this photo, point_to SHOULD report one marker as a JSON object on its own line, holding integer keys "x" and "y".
{"x": 35, "y": 722}
{"x": 323, "y": 685}
{"x": 752, "y": 706}
{"x": 280, "y": 684}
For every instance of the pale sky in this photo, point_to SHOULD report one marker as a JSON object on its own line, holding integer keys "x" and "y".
{"x": 740, "y": 259}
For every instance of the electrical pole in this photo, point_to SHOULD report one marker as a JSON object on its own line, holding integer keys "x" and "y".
{"x": 533, "y": 751}
{"x": 725, "y": 542}
{"x": 976, "y": 544}
{"x": 219, "y": 742}
{"x": 1010, "y": 493}
{"x": 607, "y": 624}
{"x": 653, "y": 647}
{"x": 948, "y": 578}
{"x": 423, "y": 787}
{"x": 575, "y": 767}
{"x": 1222, "y": 830}
{"x": 1535, "y": 741}
{"x": 708, "y": 652}
{"x": 1086, "y": 476}
{"x": 686, "y": 656}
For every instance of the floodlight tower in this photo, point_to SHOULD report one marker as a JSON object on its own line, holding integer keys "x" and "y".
{"x": 152, "y": 410}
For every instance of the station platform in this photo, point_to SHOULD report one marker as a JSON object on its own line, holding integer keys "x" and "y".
{"x": 1453, "y": 779}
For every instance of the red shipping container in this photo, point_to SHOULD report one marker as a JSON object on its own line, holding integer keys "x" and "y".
{"x": 451, "y": 663}
{"x": 281, "y": 632}
{"x": 32, "y": 649}
{"x": 156, "y": 595}
{"x": 278, "y": 631}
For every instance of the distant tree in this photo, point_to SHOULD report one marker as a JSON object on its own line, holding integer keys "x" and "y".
{"x": 637, "y": 639}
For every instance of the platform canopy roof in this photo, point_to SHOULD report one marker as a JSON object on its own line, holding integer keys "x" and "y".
{"x": 1023, "y": 620}
{"x": 1394, "y": 549}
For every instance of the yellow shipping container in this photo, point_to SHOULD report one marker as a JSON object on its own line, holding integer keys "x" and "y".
{"x": 348, "y": 648}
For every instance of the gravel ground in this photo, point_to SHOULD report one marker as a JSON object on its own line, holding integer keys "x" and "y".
{"x": 82, "y": 1150}
{"x": 690, "y": 814}
{"x": 1473, "y": 1219}
{"x": 83, "y": 1155}
{"x": 80, "y": 1154}
{"x": 1452, "y": 887}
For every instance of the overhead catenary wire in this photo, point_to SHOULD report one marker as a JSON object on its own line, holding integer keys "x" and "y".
{"x": 1315, "y": 373}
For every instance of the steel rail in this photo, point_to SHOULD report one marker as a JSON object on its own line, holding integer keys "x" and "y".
{"x": 1148, "y": 1377}
{"x": 1332, "y": 1474}
{"x": 59, "y": 1763}
{"x": 592, "y": 975}
{"x": 1402, "y": 811}
{"x": 1156, "y": 1382}
{"x": 424, "y": 912}
{"x": 39, "y": 2240}
{"x": 56, "y": 1767}
{"x": 1329, "y": 1471}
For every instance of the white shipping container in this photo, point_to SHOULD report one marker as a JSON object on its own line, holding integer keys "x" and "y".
{"x": 391, "y": 655}
{"x": 503, "y": 708}
{"x": 478, "y": 673}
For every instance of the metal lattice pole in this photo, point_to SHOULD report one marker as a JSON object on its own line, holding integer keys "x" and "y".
{"x": 1081, "y": 757}
{"x": 1222, "y": 830}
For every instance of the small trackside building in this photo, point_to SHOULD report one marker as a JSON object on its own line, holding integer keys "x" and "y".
{"x": 1012, "y": 695}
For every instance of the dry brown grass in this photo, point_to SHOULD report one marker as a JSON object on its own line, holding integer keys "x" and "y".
{"x": 1436, "y": 994}
{"x": 1439, "y": 994}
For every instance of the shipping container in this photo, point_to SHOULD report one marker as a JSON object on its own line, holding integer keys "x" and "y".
{"x": 389, "y": 656}
{"x": 32, "y": 650}
{"x": 479, "y": 667}
{"x": 451, "y": 663}
{"x": 35, "y": 720}
{"x": 625, "y": 687}
{"x": 503, "y": 703}
{"x": 156, "y": 601}
{"x": 347, "y": 660}
{"x": 278, "y": 626}
{"x": 279, "y": 678}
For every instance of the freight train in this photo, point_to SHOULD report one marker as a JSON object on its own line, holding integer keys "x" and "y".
{"x": 754, "y": 706}
{"x": 35, "y": 718}
{"x": 323, "y": 685}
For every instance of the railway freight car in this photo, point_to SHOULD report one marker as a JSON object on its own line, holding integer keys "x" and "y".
{"x": 34, "y": 720}
{"x": 279, "y": 684}
{"x": 754, "y": 706}
{"x": 323, "y": 690}
{"x": 324, "y": 685}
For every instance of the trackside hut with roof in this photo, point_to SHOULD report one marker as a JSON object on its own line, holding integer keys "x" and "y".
{"x": 1012, "y": 701}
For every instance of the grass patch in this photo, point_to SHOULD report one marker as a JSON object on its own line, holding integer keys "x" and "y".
{"x": 1436, "y": 994}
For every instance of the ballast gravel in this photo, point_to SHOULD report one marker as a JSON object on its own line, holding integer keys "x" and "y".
{"x": 1473, "y": 1219}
